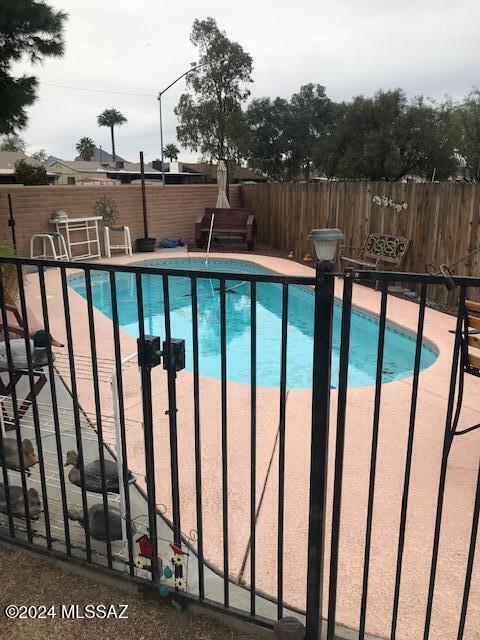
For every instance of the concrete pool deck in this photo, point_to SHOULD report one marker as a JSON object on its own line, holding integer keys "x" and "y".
{"x": 395, "y": 407}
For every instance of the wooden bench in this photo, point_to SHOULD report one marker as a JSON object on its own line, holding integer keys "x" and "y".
{"x": 379, "y": 251}
{"x": 227, "y": 223}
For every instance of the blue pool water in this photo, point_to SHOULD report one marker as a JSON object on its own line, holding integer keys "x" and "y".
{"x": 399, "y": 345}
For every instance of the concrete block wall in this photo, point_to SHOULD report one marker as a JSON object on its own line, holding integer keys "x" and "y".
{"x": 171, "y": 209}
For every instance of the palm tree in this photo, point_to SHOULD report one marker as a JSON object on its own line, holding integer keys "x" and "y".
{"x": 110, "y": 118}
{"x": 171, "y": 152}
{"x": 86, "y": 148}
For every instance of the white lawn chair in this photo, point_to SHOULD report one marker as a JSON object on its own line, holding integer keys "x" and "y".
{"x": 53, "y": 241}
{"x": 127, "y": 241}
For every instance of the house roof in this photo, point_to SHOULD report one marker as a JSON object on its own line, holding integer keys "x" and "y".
{"x": 9, "y": 158}
{"x": 83, "y": 166}
{"x": 210, "y": 169}
{"x": 87, "y": 166}
{"x": 134, "y": 167}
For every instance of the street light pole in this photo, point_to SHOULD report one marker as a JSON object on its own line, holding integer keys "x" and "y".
{"x": 161, "y": 136}
{"x": 159, "y": 98}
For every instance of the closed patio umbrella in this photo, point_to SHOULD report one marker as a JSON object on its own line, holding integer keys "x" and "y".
{"x": 222, "y": 200}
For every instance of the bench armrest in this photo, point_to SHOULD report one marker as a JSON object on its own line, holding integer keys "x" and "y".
{"x": 18, "y": 331}
{"x": 343, "y": 247}
{"x": 250, "y": 221}
{"x": 16, "y": 313}
{"x": 468, "y": 332}
{"x": 199, "y": 218}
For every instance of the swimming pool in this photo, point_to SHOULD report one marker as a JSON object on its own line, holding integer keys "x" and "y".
{"x": 399, "y": 349}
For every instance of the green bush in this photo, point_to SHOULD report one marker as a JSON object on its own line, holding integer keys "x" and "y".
{"x": 107, "y": 208}
{"x": 30, "y": 175}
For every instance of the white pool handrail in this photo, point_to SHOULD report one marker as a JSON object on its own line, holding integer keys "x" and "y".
{"x": 209, "y": 239}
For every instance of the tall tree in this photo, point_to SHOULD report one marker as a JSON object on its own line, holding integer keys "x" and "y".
{"x": 283, "y": 136}
{"x": 309, "y": 121}
{"x": 111, "y": 118}
{"x": 41, "y": 155}
{"x": 211, "y": 117}
{"x": 86, "y": 148}
{"x": 13, "y": 142}
{"x": 466, "y": 124}
{"x": 387, "y": 138}
{"x": 28, "y": 28}
{"x": 171, "y": 152}
{"x": 268, "y": 143}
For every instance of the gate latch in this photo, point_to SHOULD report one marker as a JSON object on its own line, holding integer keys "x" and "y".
{"x": 149, "y": 351}
{"x": 176, "y": 350}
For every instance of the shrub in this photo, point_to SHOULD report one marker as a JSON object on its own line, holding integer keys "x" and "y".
{"x": 107, "y": 208}
{"x": 29, "y": 175}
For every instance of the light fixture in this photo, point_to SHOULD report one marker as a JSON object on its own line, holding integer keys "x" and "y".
{"x": 325, "y": 241}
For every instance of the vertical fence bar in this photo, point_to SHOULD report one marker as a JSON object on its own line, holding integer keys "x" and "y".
{"x": 198, "y": 443}
{"x": 6, "y": 485}
{"x": 373, "y": 458}
{"x": 76, "y": 410}
{"x": 146, "y": 375}
{"x": 16, "y": 417}
{"x": 172, "y": 418}
{"x": 223, "y": 362}
{"x": 56, "y": 420}
{"x": 253, "y": 441}
{"x": 339, "y": 451}
{"x": 121, "y": 419}
{"x": 98, "y": 411}
{"x": 322, "y": 346}
{"x": 281, "y": 451}
{"x": 470, "y": 561}
{"x": 408, "y": 460}
{"x": 34, "y": 406}
{"x": 443, "y": 468}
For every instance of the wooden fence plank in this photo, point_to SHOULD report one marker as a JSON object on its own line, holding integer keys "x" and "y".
{"x": 442, "y": 219}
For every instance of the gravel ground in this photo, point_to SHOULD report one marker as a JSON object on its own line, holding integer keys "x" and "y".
{"x": 31, "y": 579}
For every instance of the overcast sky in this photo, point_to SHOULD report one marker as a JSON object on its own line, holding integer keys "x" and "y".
{"x": 350, "y": 46}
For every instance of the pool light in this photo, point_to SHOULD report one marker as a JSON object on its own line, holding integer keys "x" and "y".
{"x": 325, "y": 241}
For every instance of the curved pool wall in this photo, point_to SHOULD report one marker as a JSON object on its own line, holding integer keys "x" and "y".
{"x": 399, "y": 350}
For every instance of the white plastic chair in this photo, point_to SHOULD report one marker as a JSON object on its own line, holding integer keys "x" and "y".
{"x": 48, "y": 241}
{"x": 127, "y": 241}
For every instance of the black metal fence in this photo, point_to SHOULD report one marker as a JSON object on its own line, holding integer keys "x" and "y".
{"x": 131, "y": 520}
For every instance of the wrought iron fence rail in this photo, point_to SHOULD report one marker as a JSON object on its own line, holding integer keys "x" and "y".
{"x": 92, "y": 430}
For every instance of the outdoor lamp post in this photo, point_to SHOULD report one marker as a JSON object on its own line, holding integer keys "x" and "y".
{"x": 325, "y": 241}
{"x": 159, "y": 98}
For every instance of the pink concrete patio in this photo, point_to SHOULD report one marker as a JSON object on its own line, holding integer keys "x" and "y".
{"x": 396, "y": 397}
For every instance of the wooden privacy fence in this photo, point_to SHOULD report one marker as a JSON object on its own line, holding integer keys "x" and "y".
{"x": 442, "y": 219}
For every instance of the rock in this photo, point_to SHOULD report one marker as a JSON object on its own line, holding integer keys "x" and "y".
{"x": 289, "y": 629}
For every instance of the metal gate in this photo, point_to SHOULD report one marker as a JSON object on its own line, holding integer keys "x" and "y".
{"x": 233, "y": 492}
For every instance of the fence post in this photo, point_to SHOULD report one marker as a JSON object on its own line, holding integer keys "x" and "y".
{"x": 149, "y": 356}
{"x": 322, "y": 342}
